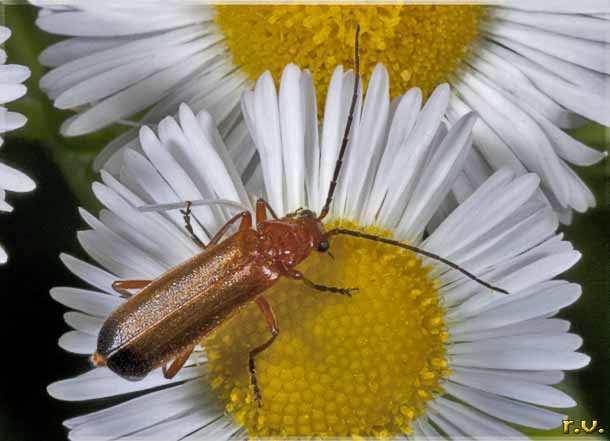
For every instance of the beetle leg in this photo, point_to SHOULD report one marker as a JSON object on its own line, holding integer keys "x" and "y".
{"x": 122, "y": 286}
{"x": 186, "y": 215}
{"x": 275, "y": 330}
{"x": 246, "y": 224}
{"x": 297, "y": 275}
{"x": 261, "y": 211}
{"x": 177, "y": 364}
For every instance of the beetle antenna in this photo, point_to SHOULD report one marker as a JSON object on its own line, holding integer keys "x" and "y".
{"x": 418, "y": 251}
{"x": 195, "y": 203}
{"x": 348, "y": 126}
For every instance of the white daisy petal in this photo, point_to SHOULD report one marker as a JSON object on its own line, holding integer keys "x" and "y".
{"x": 78, "y": 342}
{"x": 504, "y": 351}
{"x": 221, "y": 429}
{"x": 578, "y": 100}
{"x": 136, "y": 414}
{"x": 292, "y": 125}
{"x": 340, "y": 91}
{"x": 475, "y": 424}
{"x": 406, "y": 167}
{"x": 560, "y": 342}
{"x": 89, "y": 24}
{"x": 533, "y": 326}
{"x": 452, "y": 431}
{"x": 589, "y": 54}
{"x": 176, "y": 429}
{"x": 579, "y": 26}
{"x": 562, "y": 6}
{"x": 13, "y": 180}
{"x": 523, "y": 359}
{"x": 438, "y": 178}
{"x": 91, "y": 274}
{"x": 538, "y": 377}
{"x": 101, "y": 382}
{"x": 90, "y": 302}
{"x": 507, "y": 410}
{"x": 312, "y": 142}
{"x": 82, "y": 322}
{"x": 368, "y": 138}
{"x": 427, "y": 430}
{"x": 527, "y": 391}
{"x": 495, "y": 110}
{"x": 403, "y": 121}
{"x": 265, "y": 127}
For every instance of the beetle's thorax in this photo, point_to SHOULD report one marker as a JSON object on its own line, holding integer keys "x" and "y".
{"x": 287, "y": 241}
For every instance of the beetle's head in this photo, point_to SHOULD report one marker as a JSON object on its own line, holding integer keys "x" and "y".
{"x": 314, "y": 227}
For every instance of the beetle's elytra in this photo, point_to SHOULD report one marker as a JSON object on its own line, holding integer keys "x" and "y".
{"x": 172, "y": 314}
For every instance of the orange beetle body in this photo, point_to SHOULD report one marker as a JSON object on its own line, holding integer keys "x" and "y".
{"x": 177, "y": 310}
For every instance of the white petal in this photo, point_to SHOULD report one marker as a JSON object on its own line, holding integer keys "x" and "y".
{"x": 533, "y": 326}
{"x": 78, "y": 342}
{"x": 292, "y": 127}
{"x": 593, "y": 106}
{"x": 10, "y": 92}
{"x": 534, "y": 302}
{"x": 91, "y": 274}
{"x": 90, "y": 24}
{"x": 99, "y": 86}
{"x": 508, "y": 410}
{"x": 368, "y": 141}
{"x": 559, "y": 342}
{"x": 575, "y": 25}
{"x": 518, "y": 130}
{"x": 338, "y": 99}
{"x": 137, "y": 413}
{"x": 437, "y": 178}
{"x": 403, "y": 121}
{"x": 128, "y": 101}
{"x": 264, "y": 125}
{"x": 13, "y": 73}
{"x": 102, "y": 382}
{"x": 85, "y": 323}
{"x": 13, "y": 180}
{"x": 312, "y": 143}
{"x": 472, "y": 422}
{"x": 522, "y": 359}
{"x": 175, "y": 176}
{"x": 90, "y": 302}
{"x": 590, "y": 54}
{"x": 561, "y": 6}
{"x": 407, "y": 166}
{"x": 522, "y": 390}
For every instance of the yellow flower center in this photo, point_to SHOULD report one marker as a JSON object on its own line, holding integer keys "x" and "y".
{"x": 420, "y": 45}
{"x": 341, "y": 366}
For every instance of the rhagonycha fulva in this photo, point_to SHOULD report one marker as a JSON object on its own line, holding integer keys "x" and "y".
{"x": 164, "y": 322}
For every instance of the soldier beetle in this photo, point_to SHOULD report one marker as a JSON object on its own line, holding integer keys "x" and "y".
{"x": 170, "y": 315}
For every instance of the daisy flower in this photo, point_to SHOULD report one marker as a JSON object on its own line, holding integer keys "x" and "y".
{"x": 419, "y": 350}
{"x": 11, "y": 77}
{"x": 529, "y": 68}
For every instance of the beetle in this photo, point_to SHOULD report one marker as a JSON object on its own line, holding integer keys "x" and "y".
{"x": 165, "y": 320}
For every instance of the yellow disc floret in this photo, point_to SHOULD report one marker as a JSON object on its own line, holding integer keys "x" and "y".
{"x": 341, "y": 366}
{"x": 420, "y": 45}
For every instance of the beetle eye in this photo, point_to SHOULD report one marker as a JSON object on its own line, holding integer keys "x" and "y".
{"x": 323, "y": 246}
